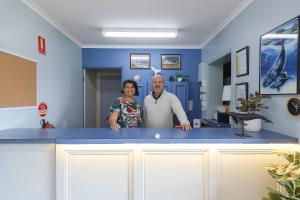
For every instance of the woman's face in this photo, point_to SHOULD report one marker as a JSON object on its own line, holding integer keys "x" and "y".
{"x": 129, "y": 90}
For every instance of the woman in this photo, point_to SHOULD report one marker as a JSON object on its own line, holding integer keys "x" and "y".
{"x": 126, "y": 111}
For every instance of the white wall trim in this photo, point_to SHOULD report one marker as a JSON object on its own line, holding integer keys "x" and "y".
{"x": 141, "y": 46}
{"x": 84, "y": 97}
{"x": 49, "y": 19}
{"x": 226, "y": 21}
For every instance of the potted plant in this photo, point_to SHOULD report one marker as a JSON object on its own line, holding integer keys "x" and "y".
{"x": 181, "y": 77}
{"x": 251, "y": 105}
{"x": 287, "y": 175}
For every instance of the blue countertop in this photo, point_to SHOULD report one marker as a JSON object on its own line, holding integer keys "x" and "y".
{"x": 140, "y": 135}
{"x": 32, "y": 135}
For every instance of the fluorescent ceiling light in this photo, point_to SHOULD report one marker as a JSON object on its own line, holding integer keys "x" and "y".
{"x": 280, "y": 36}
{"x": 118, "y": 32}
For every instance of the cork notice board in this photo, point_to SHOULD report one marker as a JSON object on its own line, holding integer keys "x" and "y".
{"x": 18, "y": 83}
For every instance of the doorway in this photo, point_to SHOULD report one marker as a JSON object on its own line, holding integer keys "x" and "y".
{"x": 219, "y": 74}
{"x": 101, "y": 87}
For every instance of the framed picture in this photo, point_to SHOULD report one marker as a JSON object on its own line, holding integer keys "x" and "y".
{"x": 279, "y": 70}
{"x": 242, "y": 62}
{"x": 140, "y": 61}
{"x": 241, "y": 92}
{"x": 170, "y": 61}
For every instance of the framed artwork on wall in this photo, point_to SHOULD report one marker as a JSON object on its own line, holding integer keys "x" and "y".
{"x": 279, "y": 60}
{"x": 241, "y": 92}
{"x": 242, "y": 62}
{"x": 171, "y": 61}
{"x": 140, "y": 61}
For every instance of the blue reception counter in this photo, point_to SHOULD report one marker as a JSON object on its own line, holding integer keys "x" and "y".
{"x": 143, "y": 135}
{"x": 205, "y": 163}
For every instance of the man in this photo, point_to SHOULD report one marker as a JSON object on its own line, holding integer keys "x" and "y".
{"x": 160, "y": 106}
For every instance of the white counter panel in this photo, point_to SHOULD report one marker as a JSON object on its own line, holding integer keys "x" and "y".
{"x": 164, "y": 171}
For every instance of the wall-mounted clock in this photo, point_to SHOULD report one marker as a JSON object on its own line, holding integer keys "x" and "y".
{"x": 293, "y": 106}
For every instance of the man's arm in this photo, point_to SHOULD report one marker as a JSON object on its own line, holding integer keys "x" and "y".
{"x": 180, "y": 113}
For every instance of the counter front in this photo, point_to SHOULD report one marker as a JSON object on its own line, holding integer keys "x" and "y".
{"x": 137, "y": 164}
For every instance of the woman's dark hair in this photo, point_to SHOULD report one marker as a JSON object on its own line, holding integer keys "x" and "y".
{"x": 133, "y": 83}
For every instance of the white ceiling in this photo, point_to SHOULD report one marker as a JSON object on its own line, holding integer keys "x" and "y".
{"x": 197, "y": 20}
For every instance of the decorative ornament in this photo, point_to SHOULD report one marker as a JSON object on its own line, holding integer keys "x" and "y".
{"x": 156, "y": 71}
{"x": 137, "y": 78}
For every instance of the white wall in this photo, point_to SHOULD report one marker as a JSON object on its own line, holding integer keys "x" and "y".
{"x": 59, "y": 72}
{"x": 258, "y": 18}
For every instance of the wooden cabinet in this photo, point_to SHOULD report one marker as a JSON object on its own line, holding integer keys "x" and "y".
{"x": 181, "y": 90}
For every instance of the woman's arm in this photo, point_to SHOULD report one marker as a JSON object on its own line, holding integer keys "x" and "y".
{"x": 112, "y": 121}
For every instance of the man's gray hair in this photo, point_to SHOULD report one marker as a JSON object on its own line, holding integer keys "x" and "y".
{"x": 158, "y": 75}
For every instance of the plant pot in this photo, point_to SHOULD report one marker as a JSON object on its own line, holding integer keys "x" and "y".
{"x": 179, "y": 79}
{"x": 253, "y": 125}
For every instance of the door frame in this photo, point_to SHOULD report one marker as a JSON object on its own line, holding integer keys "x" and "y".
{"x": 100, "y": 73}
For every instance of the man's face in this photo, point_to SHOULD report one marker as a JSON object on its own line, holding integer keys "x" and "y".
{"x": 158, "y": 84}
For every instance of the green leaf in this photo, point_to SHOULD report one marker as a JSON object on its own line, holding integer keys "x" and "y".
{"x": 289, "y": 187}
{"x": 275, "y": 196}
{"x": 297, "y": 191}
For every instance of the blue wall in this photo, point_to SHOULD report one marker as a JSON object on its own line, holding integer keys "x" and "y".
{"x": 120, "y": 58}
{"x": 258, "y": 18}
{"x": 59, "y": 73}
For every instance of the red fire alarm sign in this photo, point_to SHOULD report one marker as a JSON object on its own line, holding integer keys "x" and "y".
{"x": 42, "y": 45}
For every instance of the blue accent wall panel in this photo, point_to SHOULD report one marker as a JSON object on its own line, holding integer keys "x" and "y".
{"x": 99, "y": 58}
{"x": 120, "y": 58}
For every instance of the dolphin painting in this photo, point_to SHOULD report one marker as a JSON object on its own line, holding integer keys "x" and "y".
{"x": 277, "y": 68}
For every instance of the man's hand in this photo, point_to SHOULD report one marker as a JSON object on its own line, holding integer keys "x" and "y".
{"x": 185, "y": 127}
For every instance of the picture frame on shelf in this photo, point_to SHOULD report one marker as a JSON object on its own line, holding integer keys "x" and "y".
{"x": 170, "y": 61}
{"x": 279, "y": 69}
{"x": 140, "y": 60}
{"x": 242, "y": 62}
{"x": 241, "y": 92}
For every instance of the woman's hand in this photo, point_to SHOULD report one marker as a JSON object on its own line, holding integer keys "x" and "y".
{"x": 112, "y": 120}
{"x": 115, "y": 126}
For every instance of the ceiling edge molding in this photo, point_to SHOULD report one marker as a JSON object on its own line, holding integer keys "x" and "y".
{"x": 50, "y": 20}
{"x": 227, "y": 20}
{"x": 141, "y": 46}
